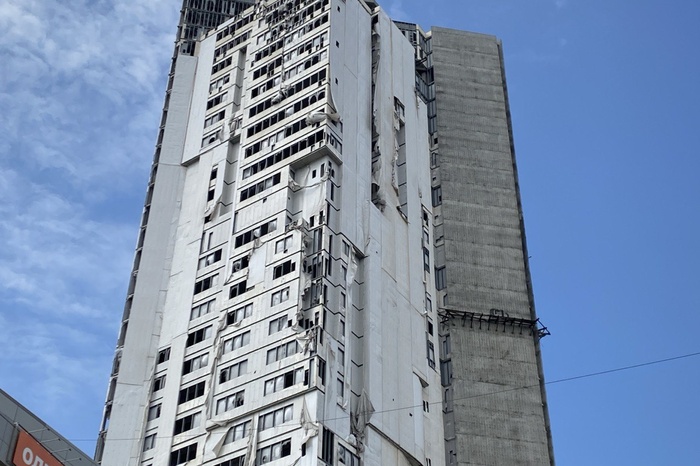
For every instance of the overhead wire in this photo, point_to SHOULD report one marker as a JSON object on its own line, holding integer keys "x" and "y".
{"x": 525, "y": 387}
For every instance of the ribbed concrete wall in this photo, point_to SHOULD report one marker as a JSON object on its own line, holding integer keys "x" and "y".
{"x": 495, "y": 421}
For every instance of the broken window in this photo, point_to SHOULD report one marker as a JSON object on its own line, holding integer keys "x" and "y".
{"x": 191, "y": 392}
{"x": 283, "y": 269}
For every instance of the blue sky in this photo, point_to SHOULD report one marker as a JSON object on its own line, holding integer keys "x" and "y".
{"x": 604, "y": 100}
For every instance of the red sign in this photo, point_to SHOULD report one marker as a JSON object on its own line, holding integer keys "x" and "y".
{"x": 29, "y": 452}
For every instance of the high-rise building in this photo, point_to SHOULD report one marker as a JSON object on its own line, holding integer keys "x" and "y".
{"x": 331, "y": 267}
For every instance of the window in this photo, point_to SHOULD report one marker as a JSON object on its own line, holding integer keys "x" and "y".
{"x": 346, "y": 248}
{"x": 237, "y": 432}
{"x": 198, "y": 336}
{"x": 209, "y": 259}
{"x": 202, "y": 309}
{"x": 313, "y": 266}
{"x": 282, "y": 351}
{"x": 220, "y": 51}
{"x": 437, "y": 196}
{"x": 341, "y": 388}
{"x": 158, "y": 383}
{"x": 230, "y": 402}
{"x": 341, "y": 357}
{"x": 221, "y": 65}
{"x": 219, "y": 83}
{"x": 254, "y": 233}
{"x": 343, "y": 300}
{"x": 440, "y": 278}
{"x": 283, "y": 381}
{"x": 195, "y": 363}
{"x": 322, "y": 371}
{"x": 312, "y": 44}
{"x": 207, "y": 239}
{"x": 271, "y": 160}
{"x": 317, "y": 239}
{"x": 191, "y": 392}
{"x": 240, "y": 264}
{"x": 229, "y": 31}
{"x": 265, "y": 86}
{"x": 280, "y": 296}
{"x": 215, "y": 118}
{"x": 274, "y": 452}
{"x": 238, "y": 289}
{"x": 233, "y": 371}
{"x": 206, "y": 283}
{"x": 282, "y": 115}
{"x": 287, "y": 131}
{"x": 334, "y": 142}
{"x": 183, "y": 455}
{"x": 237, "y": 315}
{"x": 290, "y": 90}
{"x": 163, "y": 355}
{"x": 283, "y": 245}
{"x": 431, "y": 354}
{"x": 149, "y": 442}
{"x": 446, "y": 373}
{"x": 277, "y": 325}
{"x": 217, "y": 100}
{"x": 327, "y": 446}
{"x": 448, "y": 399}
{"x": 154, "y": 412}
{"x": 236, "y": 342}
{"x": 267, "y": 70}
{"x": 305, "y": 65}
{"x": 346, "y": 457}
{"x": 426, "y": 259}
{"x": 446, "y": 345}
{"x": 237, "y": 461}
{"x": 261, "y": 186}
{"x": 276, "y": 417}
{"x": 283, "y": 269}
{"x": 187, "y": 423}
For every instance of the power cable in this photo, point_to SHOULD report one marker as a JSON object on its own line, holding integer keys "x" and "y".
{"x": 526, "y": 387}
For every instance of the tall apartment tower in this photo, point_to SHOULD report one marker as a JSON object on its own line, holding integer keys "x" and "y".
{"x": 331, "y": 268}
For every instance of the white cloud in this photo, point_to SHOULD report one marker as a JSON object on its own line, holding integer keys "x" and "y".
{"x": 74, "y": 75}
{"x": 53, "y": 260}
{"x": 53, "y": 368}
{"x": 81, "y": 90}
